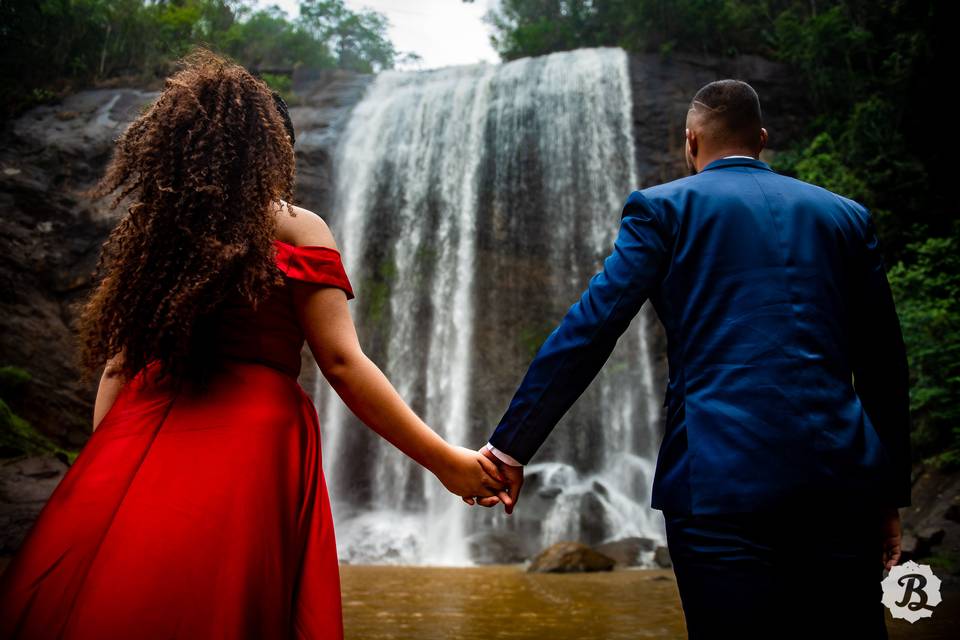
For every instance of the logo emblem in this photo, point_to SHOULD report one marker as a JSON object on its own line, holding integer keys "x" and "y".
{"x": 911, "y": 591}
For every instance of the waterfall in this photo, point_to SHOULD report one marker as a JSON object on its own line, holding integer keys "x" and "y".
{"x": 472, "y": 206}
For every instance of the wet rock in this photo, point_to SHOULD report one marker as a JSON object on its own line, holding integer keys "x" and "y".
{"x": 931, "y": 525}
{"x": 594, "y": 522}
{"x": 626, "y": 552}
{"x": 570, "y": 557}
{"x": 548, "y": 493}
{"x": 661, "y": 556}
{"x": 931, "y": 535}
{"x": 25, "y": 485}
{"x": 908, "y": 547}
{"x": 499, "y": 547}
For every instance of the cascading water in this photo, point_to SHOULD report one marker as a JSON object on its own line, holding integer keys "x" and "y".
{"x": 473, "y": 204}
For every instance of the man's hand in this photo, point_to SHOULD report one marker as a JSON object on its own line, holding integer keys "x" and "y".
{"x": 889, "y": 536}
{"x": 513, "y": 476}
{"x": 468, "y": 474}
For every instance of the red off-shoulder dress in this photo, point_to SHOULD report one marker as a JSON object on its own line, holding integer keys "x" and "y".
{"x": 193, "y": 515}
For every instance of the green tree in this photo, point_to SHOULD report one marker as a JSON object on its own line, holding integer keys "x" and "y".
{"x": 358, "y": 40}
{"x": 928, "y": 303}
{"x": 51, "y": 47}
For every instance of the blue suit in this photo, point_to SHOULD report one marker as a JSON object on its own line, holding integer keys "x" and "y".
{"x": 788, "y": 373}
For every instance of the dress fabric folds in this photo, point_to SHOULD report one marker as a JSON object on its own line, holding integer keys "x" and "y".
{"x": 195, "y": 515}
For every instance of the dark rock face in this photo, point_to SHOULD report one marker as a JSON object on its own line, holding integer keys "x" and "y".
{"x": 49, "y": 243}
{"x": 327, "y": 97}
{"x": 50, "y": 238}
{"x": 570, "y": 557}
{"x": 931, "y": 527}
{"x": 25, "y": 486}
{"x": 663, "y": 88}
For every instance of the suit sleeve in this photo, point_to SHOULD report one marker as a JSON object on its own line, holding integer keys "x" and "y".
{"x": 574, "y": 352}
{"x": 879, "y": 362}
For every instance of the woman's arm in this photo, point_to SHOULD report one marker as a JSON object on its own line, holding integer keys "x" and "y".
{"x": 332, "y": 337}
{"x": 111, "y": 382}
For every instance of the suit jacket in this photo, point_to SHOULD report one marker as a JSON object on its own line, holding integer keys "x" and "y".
{"x": 788, "y": 372}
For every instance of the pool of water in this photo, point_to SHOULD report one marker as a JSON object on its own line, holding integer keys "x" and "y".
{"x": 438, "y": 603}
{"x": 503, "y": 601}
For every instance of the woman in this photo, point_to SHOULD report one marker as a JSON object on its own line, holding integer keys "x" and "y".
{"x": 198, "y": 507}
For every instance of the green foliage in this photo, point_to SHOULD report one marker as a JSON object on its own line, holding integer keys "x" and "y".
{"x": 820, "y": 163}
{"x": 280, "y": 83}
{"x": 534, "y": 27}
{"x": 50, "y": 47}
{"x": 266, "y": 39}
{"x": 822, "y": 47}
{"x": 17, "y": 436}
{"x": 927, "y": 292}
{"x": 358, "y": 40}
{"x": 12, "y": 379}
{"x": 945, "y": 561}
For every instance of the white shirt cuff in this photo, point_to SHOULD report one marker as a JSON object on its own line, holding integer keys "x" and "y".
{"x": 503, "y": 456}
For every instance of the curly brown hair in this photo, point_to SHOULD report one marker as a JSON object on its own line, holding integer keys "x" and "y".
{"x": 204, "y": 167}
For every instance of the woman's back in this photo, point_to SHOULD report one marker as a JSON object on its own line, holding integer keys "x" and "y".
{"x": 271, "y": 334}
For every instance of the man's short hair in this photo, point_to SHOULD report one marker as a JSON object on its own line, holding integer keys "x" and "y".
{"x": 729, "y": 111}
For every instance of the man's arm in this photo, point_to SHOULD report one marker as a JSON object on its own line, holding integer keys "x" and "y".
{"x": 503, "y": 457}
{"x": 879, "y": 361}
{"x": 575, "y": 351}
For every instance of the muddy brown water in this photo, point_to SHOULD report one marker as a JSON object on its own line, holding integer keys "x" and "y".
{"x": 503, "y": 601}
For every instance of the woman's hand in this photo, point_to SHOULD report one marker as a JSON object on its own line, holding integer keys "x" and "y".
{"x": 469, "y": 474}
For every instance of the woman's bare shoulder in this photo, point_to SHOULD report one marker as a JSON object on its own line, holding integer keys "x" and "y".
{"x": 302, "y": 227}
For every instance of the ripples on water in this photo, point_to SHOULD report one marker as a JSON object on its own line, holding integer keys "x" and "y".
{"x": 434, "y": 603}
{"x": 443, "y": 603}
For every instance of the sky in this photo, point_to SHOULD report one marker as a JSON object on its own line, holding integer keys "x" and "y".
{"x": 442, "y": 32}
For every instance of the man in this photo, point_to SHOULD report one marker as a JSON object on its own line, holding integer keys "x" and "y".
{"x": 786, "y": 451}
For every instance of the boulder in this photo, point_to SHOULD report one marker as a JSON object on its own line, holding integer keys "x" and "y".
{"x": 499, "y": 547}
{"x": 662, "y": 557}
{"x": 908, "y": 547}
{"x": 570, "y": 557}
{"x": 626, "y": 552}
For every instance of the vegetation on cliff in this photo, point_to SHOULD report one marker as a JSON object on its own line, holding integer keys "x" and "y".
{"x": 17, "y": 436}
{"x": 52, "y": 47}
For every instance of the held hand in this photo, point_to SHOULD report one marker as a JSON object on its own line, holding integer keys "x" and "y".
{"x": 469, "y": 474}
{"x": 890, "y": 536}
{"x": 514, "y": 478}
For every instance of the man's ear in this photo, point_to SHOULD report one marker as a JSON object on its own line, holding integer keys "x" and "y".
{"x": 691, "y": 142}
{"x": 763, "y": 138}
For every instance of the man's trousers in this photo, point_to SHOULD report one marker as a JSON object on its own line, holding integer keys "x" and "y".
{"x": 809, "y": 572}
